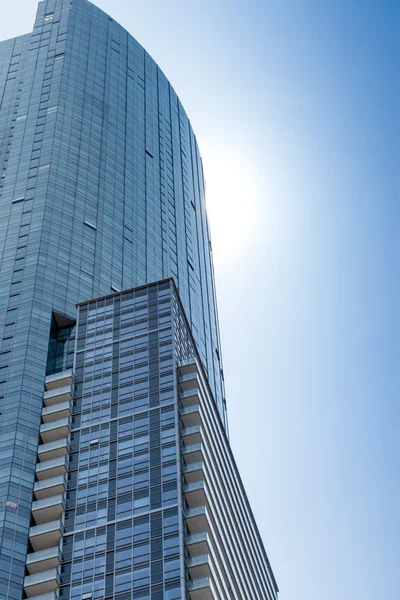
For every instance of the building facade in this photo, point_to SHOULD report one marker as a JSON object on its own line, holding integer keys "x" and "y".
{"x": 111, "y": 466}
{"x": 137, "y": 492}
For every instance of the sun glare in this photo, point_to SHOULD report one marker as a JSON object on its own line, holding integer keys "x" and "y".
{"x": 231, "y": 203}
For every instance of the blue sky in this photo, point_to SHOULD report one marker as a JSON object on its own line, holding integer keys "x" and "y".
{"x": 296, "y": 108}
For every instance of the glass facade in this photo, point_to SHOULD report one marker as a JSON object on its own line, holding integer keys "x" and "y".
{"x": 101, "y": 189}
{"x": 123, "y": 513}
{"x": 116, "y": 475}
{"x": 138, "y": 495}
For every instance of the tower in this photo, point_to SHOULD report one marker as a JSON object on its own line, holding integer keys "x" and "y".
{"x": 102, "y": 191}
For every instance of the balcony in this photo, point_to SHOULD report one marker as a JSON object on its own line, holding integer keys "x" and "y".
{"x": 51, "y": 468}
{"x": 199, "y": 566}
{"x": 189, "y": 397}
{"x": 201, "y": 589}
{"x": 45, "y": 536}
{"x": 197, "y": 519}
{"x": 55, "y": 430}
{"x": 188, "y": 366}
{"x": 59, "y": 380}
{"x": 56, "y": 412}
{"x": 189, "y": 381}
{"x": 37, "y": 562}
{"x": 190, "y": 415}
{"x": 50, "y": 487}
{"x": 55, "y": 396}
{"x": 50, "y": 596}
{"x": 48, "y": 509}
{"x": 198, "y": 543}
{"x": 41, "y": 583}
{"x": 194, "y": 471}
{"x": 53, "y": 450}
{"x": 191, "y": 435}
{"x": 195, "y": 493}
{"x": 193, "y": 453}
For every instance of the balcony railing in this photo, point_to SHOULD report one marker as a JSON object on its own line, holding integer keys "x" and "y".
{"x": 193, "y": 453}
{"x": 188, "y": 366}
{"x": 189, "y": 397}
{"x": 37, "y": 562}
{"x": 50, "y": 596}
{"x": 195, "y": 493}
{"x": 52, "y": 450}
{"x": 41, "y": 583}
{"x": 190, "y": 415}
{"x": 201, "y": 589}
{"x": 191, "y": 435}
{"x": 55, "y": 430}
{"x": 197, "y": 519}
{"x": 51, "y": 468}
{"x": 189, "y": 381}
{"x": 58, "y": 380}
{"x": 194, "y": 471}
{"x": 48, "y": 509}
{"x": 199, "y": 566}
{"x": 57, "y": 395}
{"x": 46, "y": 536}
{"x": 56, "y": 412}
{"x": 198, "y": 543}
{"x": 50, "y": 487}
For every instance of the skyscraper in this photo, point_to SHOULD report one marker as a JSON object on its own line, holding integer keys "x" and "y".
{"x": 117, "y": 480}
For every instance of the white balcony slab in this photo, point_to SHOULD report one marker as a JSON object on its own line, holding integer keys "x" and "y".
{"x": 50, "y": 487}
{"x": 191, "y": 435}
{"x": 198, "y": 543}
{"x": 193, "y": 453}
{"x": 56, "y": 412}
{"x": 48, "y": 509}
{"x": 55, "y": 430}
{"x": 57, "y": 395}
{"x": 189, "y": 397}
{"x": 41, "y": 583}
{"x": 51, "y": 468}
{"x": 36, "y": 562}
{"x": 189, "y": 381}
{"x": 197, "y": 519}
{"x": 58, "y": 380}
{"x": 201, "y": 589}
{"x": 50, "y": 596}
{"x": 190, "y": 415}
{"x": 195, "y": 493}
{"x": 199, "y": 566}
{"x": 52, "y": 450}
{"x": 188, "y": 367}
{"x": 194, "y": 471}
{"x": 45, "y": 536}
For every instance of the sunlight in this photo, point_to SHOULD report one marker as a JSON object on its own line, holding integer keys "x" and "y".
{"x": 231, "y": 198}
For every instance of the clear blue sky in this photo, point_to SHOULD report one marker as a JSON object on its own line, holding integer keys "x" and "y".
{"x": 298, "y": 101}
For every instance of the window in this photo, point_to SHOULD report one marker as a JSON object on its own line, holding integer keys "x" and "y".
{"x": 172, "y": 569}
{"x": 90, "y": 225}
{"x": 48, "y": 17}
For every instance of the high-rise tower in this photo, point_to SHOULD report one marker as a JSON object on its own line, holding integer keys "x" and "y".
{"x": 101, "y": 190}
